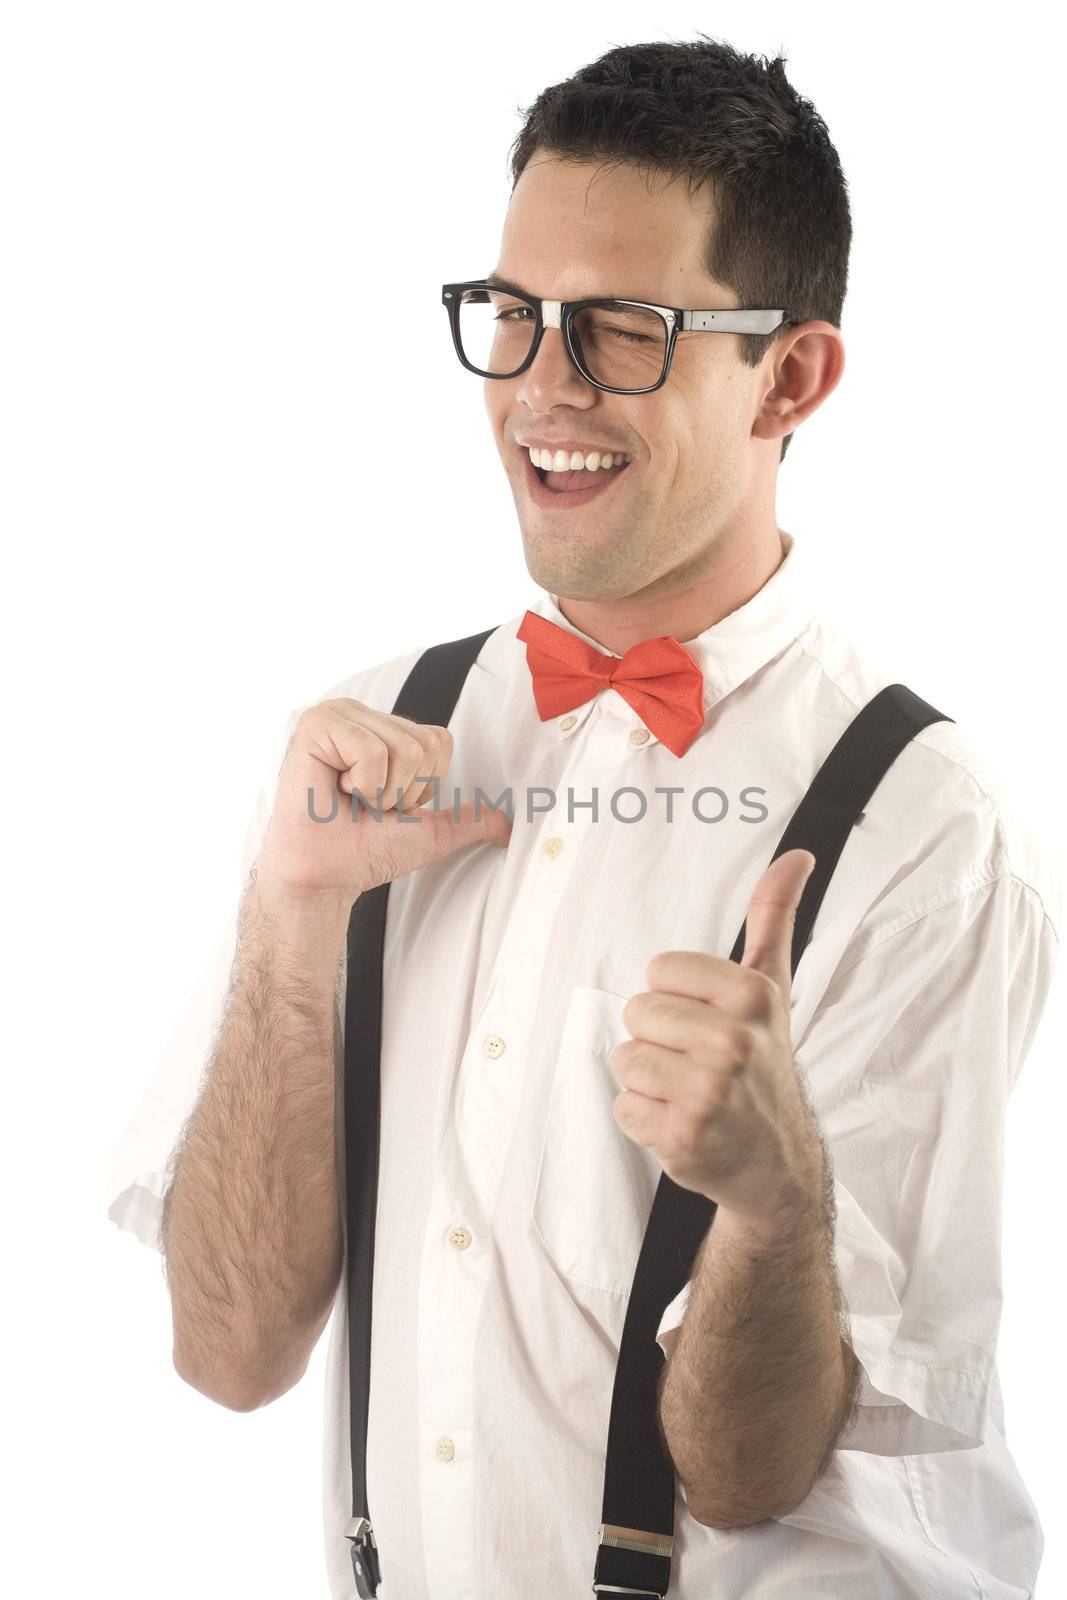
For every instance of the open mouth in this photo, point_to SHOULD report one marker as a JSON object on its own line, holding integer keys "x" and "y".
{"x": 568, "y": 490}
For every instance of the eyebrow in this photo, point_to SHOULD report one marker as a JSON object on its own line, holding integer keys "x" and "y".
{"x": 502, "y": 283}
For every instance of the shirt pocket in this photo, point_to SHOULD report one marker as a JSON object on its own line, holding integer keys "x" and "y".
{"x": 594, "y": 1187}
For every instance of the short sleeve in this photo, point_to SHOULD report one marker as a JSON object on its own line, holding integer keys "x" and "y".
{"x": 671, "y": 1321}
{"x": 908, "y": 1061}
{"x": 138, "y": 1165}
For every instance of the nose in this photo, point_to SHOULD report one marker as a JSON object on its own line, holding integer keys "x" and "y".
{"x": 552, "y": 377}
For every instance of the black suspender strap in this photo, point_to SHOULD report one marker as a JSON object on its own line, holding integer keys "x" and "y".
{"x": 429, "y": 694}
{"x": 636, "y": 1535}
{"x": 637, "y": 1532}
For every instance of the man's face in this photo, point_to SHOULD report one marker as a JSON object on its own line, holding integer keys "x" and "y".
{"x": 697, "y": 471}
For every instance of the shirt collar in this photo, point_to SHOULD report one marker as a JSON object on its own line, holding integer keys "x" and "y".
{"x": 736, "y": 646}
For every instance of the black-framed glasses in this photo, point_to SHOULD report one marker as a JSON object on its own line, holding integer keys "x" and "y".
{"x": 623, "y": 346}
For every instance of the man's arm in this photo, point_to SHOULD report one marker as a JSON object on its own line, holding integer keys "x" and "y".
{"x": 762, "y": 1379}
{"x": 251, "y": 1229}
{"x": 909, "y": 1058}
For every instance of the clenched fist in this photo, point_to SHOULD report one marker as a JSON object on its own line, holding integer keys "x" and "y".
{"x": 345, "y": 745}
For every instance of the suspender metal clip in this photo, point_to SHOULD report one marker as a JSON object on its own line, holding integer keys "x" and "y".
{"x": 650, "y": 1544}
{"x": 364, "y": 1557}
{"x": 615, "y": 1588}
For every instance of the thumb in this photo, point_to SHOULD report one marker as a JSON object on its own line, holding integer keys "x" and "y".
{"x": 472, "y": 825}
{"x": 772, "y": 913}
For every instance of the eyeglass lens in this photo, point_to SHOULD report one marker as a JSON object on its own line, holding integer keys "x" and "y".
{"x": 621, "y": 346}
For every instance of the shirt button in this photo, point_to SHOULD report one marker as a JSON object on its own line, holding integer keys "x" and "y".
{"x": 568, "y": 722}
{"x": 553, "y": 846}
{"x": 493, "y": 1046}
{"x": 638, "y": 736}
{"x": 445, "y": 1448}
{"x": 459, "y": 1237}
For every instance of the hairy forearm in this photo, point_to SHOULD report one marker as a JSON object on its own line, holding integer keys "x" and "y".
{"x": 762, "y": 1378}
{"x": 251, "y": 1229}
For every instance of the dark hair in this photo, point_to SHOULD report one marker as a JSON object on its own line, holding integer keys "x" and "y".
{"x": 702, "y": 109}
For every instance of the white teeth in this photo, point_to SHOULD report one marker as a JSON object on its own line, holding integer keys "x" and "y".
{"x": 560, "y": 461}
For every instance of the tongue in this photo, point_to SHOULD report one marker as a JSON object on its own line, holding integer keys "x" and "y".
{"x": 565, "y": 482}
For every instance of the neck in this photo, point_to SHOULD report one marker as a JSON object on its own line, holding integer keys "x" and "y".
{"x": 683, "y": 605}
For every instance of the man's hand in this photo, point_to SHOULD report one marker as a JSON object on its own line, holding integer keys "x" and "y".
{"x": 344, "y": 745}
{"x": 710, "y": 1083}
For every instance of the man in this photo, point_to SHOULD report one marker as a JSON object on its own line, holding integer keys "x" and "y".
{"x": 560, "y": 1022}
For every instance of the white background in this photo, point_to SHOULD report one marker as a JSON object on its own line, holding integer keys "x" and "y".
{"x": 240, "y": 461}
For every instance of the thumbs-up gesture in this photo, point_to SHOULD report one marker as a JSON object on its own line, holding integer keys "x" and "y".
{"x": 711, "y": 1087}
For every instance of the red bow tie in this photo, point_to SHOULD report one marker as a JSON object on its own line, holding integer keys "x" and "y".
{"x": 658, "y": 678}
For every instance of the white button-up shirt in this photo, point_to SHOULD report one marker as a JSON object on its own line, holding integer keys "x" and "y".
{"x": 511, "y": 1206}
